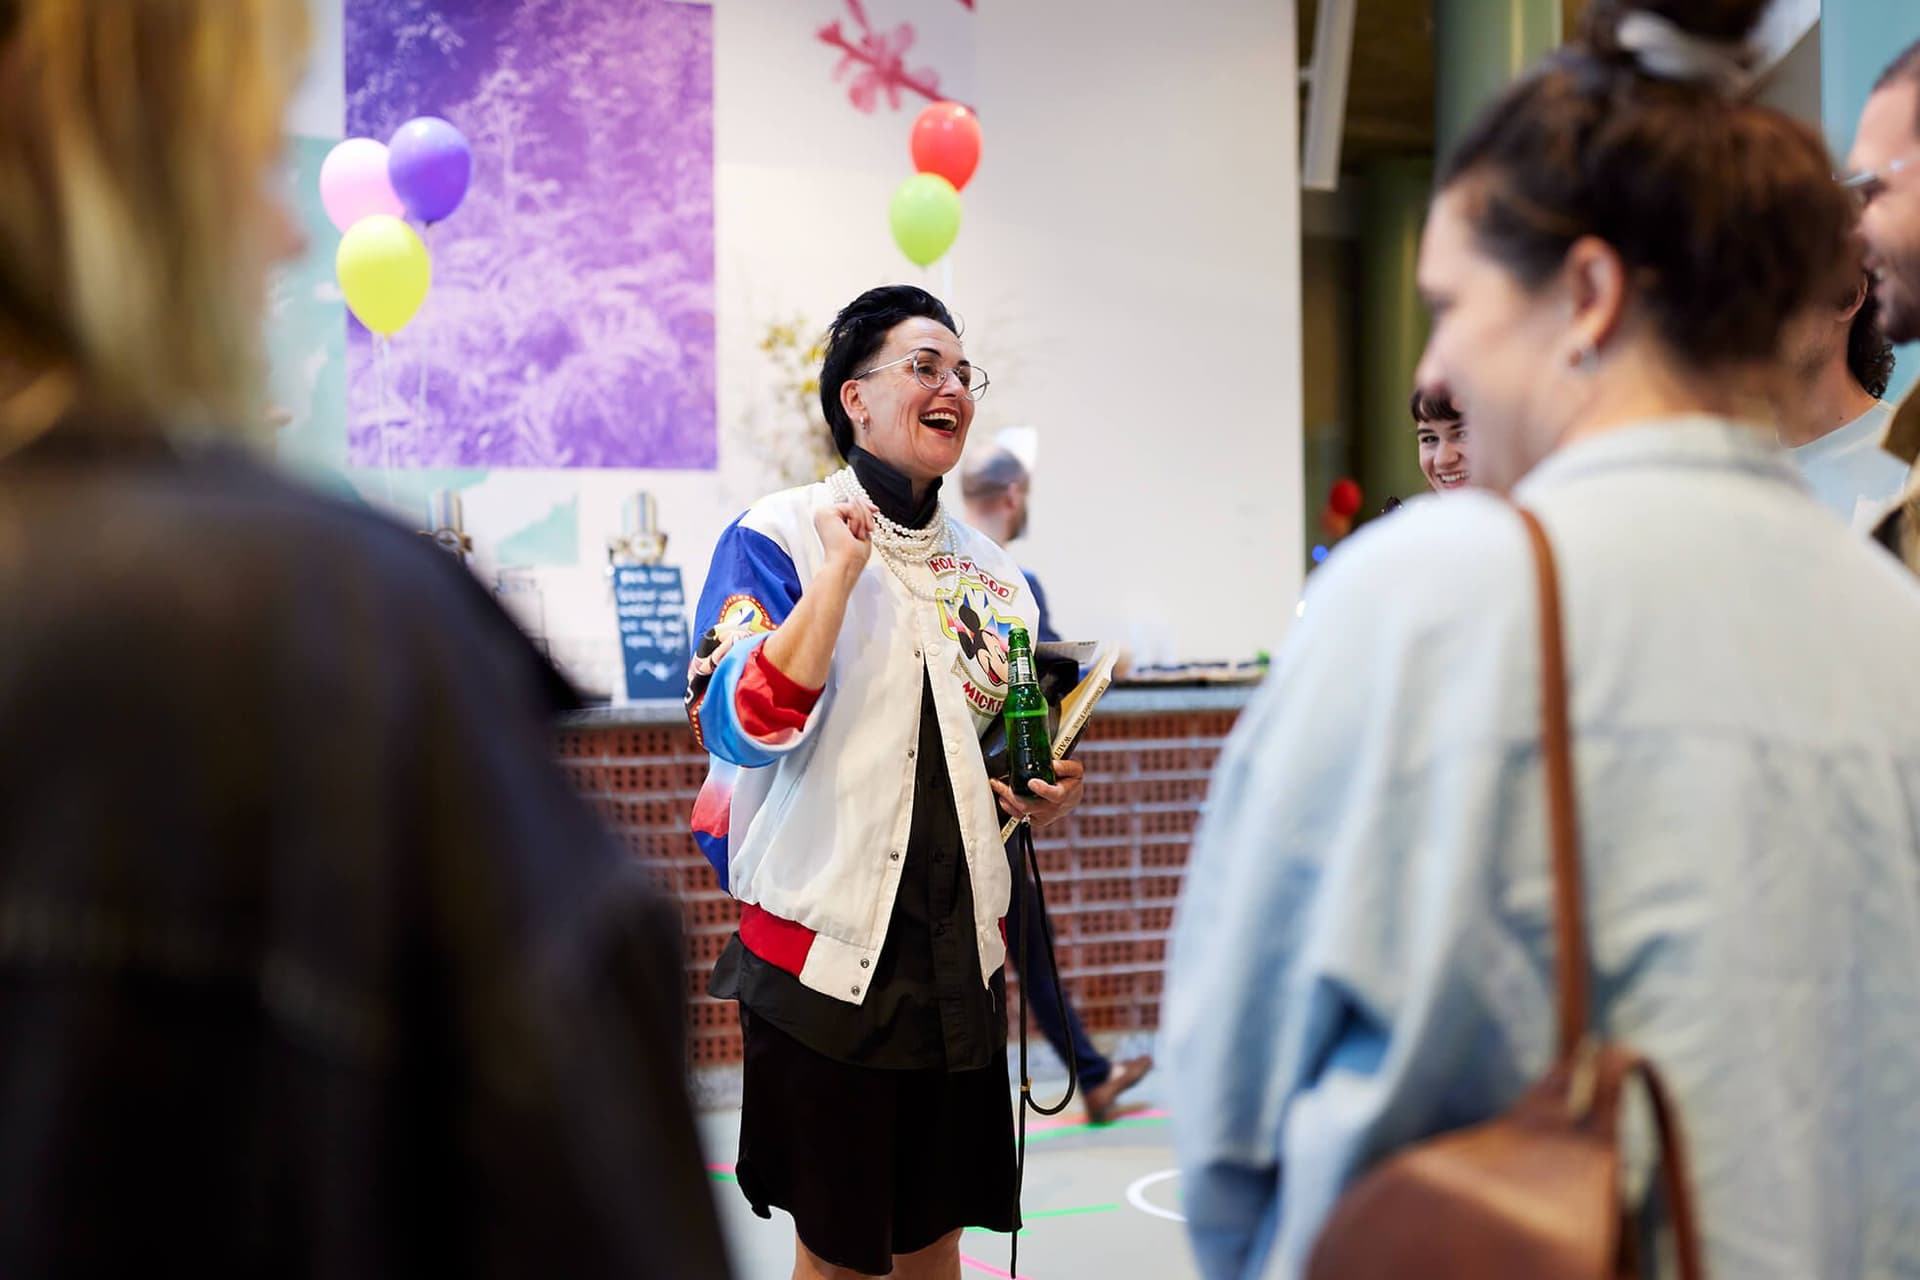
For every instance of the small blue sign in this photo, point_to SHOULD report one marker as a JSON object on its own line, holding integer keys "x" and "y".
{"x": 651, "y": 606}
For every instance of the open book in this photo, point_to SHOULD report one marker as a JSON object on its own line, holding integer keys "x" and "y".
{"x": 1902, "y": 440}
{"x": 1076, "y": 708}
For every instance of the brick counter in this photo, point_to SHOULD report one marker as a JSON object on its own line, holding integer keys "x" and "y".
{"x": 1111, "y": 872}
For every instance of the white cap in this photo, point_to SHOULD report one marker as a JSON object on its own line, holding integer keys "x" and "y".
{"x": 1023, "y": 443}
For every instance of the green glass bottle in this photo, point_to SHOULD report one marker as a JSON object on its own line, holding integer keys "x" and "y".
{"x": 1029, "y": 750}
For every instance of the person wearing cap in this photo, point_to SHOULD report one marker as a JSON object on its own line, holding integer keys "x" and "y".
{"x": 996, "y": 489}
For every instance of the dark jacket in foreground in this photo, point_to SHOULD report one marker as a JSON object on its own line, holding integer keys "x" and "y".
{"x": 311, "y": 964}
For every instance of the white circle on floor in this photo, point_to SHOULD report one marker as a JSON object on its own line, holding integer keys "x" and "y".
{"x": 1137, "y": 1195}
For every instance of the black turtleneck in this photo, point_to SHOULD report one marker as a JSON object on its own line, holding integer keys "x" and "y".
{"x": 892, "y": 492}
{"x": 925, "y": 1008}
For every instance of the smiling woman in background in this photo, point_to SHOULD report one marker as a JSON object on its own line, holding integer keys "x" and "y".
{"x": 1442, "y": 436}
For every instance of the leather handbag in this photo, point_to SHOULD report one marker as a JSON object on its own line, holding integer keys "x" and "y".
{"x": 1536, "y": 1192}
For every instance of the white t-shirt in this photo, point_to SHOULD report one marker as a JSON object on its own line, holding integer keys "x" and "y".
{"x": 1849, "y": 472}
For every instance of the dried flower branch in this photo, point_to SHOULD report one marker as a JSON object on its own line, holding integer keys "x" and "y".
{"x": 876, "y": 63}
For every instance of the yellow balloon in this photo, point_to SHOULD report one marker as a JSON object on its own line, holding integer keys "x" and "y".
{"x": 384, "y": 272}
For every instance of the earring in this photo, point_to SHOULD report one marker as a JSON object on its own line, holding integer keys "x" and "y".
{"x": 1585, "y": 355}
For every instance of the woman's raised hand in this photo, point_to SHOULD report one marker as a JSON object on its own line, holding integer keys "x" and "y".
{"x": 846, "y": 531}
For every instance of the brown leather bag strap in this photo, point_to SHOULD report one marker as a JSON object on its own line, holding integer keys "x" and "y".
{"x": 1563, "y": 824}
{"x": 1569, "y": 918}
{"x": 1676, "y": 1183}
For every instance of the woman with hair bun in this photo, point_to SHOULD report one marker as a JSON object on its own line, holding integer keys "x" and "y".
{"x": 1364, "y": 957}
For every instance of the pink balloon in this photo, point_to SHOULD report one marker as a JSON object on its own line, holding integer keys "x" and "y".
{"x": 354, "y": 183}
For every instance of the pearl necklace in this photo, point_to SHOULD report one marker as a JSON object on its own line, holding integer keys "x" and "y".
{"x": 900, "y": 548}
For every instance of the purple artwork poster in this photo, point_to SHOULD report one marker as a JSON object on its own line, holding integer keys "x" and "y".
{"x": 571, "y": 318}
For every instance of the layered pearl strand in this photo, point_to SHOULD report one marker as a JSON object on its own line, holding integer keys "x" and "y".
{"x": 901, "y": 549}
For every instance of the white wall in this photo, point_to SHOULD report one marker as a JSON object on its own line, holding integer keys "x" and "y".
{"x": 1141, "y": 218}
{"x": 1128, "y": 271}
{"x": 1793, "y": 86}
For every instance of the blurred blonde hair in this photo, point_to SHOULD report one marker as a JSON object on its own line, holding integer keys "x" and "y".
{"x": 137, "y": 138}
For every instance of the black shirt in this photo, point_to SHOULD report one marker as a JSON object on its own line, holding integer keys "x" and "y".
{"x": 926, "y": 1007}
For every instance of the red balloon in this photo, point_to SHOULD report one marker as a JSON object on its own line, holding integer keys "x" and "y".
{"x": 946, "y": 141}
{"x": 1345, "y": 497}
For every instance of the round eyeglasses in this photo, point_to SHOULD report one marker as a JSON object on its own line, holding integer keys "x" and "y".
{"x": 971, "y": 377}
{"x": 1866, "y": 185}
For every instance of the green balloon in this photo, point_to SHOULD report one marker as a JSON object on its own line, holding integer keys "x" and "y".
{"x": 926, "y": 217}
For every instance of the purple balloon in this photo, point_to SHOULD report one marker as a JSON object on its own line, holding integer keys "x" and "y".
{"x": 429, "y": 164}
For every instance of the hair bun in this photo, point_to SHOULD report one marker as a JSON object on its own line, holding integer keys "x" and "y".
{"x": 1701, "y": 42}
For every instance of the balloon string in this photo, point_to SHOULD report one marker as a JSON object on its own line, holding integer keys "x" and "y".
{"x": 420, "y": 399}
{"x": 383, "y": 348}
{"x": 946, "y": 280}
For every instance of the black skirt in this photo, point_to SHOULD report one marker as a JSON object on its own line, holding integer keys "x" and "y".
{"x": 870, "y": 1162}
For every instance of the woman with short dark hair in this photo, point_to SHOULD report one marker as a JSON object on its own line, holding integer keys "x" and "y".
{"x": 853, "y": 655}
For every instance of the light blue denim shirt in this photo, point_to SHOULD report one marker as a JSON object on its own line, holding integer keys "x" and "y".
{"x": 1363, "y": 955}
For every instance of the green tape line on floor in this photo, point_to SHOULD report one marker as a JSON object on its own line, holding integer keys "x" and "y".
{"x": 1095, "y": 1128}
{"x": 1070, "y": 1213}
